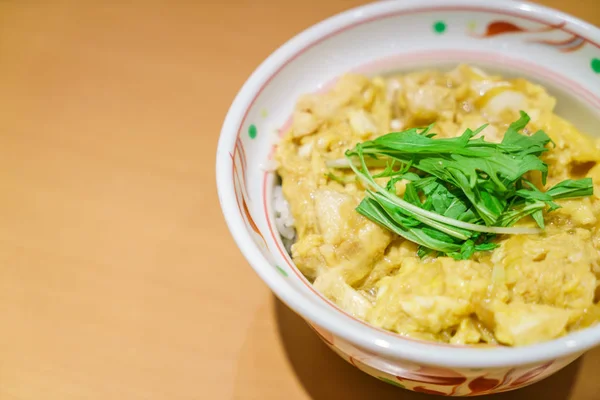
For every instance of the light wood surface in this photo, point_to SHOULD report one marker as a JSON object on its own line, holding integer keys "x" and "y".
{"x": 118, "y": 277}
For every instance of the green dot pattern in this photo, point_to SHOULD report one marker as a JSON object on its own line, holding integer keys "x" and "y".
{"x": 281, "y": 271}
{"x": 439, "y": 27}
{"x": 595, "y": 64}
{"x": 252, "y": 131}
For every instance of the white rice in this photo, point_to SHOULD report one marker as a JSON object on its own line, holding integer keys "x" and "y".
{"x": 284, "y": 221}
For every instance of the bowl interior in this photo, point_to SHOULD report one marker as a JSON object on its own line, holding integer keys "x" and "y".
{"x": 508, "y": 38}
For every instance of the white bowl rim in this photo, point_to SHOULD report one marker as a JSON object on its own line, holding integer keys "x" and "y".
{"x": 394, "y": 347}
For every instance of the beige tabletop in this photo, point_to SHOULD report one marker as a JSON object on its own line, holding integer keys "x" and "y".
{"x": 118, "y": 277}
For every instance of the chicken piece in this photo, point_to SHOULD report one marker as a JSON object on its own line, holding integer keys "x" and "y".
{"x": 307, "y": 255}
{"x": 397, "y": 251}
{"x": 435, "y": 313}
{"x": 467, "y": 333}
{"x": 519, "y": 324}
{"x": 354, "y": 243}
{"x": 298, "y": 194}
{"x": 571, "y": 150}
{"x": 348, "y": 90}
{"x": 361, "y": 123}
{"x": 505, "y": 100}
{"x": 331, "y": 283}
{"x": 555, "y": 270}
{"x": 303, "y": 123}
{"x": 427, "y": 103}
{"x": 379, "y": 107}
{"x": 464, "y": 73}
{"x": 539, "y": 101}
{"x": 335, "y": 214}
{"x": 576, "y": 212}
{"x": 429, "y": 297}
{"x": 467, "y": 280}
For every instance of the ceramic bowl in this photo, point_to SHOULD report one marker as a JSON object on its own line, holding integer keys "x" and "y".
{"x": 515, "y": 38}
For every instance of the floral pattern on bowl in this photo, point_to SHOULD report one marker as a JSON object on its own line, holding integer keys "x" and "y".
{"x": 441, "y": 381}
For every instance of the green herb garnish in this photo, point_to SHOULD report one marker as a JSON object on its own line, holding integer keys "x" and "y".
{"x": 460, "y": 192}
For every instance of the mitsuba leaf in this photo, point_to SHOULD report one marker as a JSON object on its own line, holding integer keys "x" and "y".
{"x": 458, "y": 186}
{"x": 572, "y": 188}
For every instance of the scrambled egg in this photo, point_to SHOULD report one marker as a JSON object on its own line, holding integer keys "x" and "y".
{"x": 530, "y": 289}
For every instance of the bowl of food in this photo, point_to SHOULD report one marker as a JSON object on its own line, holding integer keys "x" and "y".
{"x": 419, "y": 181}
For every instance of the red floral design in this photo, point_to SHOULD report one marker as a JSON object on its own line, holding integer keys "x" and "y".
{"x": 239, "y": 148}
{"x": 482, "y": 385}
{"x": 496, "y": 28}
{"x": 239, "y": 197}
{"x": 250, "y": 220}
{"x": 449, "y": 382}
{"x": 530, "y": 375}
{"x": 571, "y": 44}
{"x": 434, "y": 376}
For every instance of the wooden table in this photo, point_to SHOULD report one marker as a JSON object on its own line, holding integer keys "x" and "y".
{"x": 118, "y": 277}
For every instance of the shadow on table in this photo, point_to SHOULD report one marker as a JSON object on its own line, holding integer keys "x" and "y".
{"x": 326, "y": 376}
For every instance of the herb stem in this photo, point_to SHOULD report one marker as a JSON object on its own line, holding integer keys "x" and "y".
{"x": 367, "y": 179}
